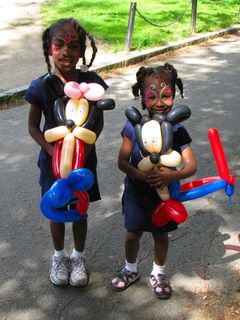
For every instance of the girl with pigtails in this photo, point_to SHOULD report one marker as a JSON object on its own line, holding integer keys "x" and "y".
{"x": 156, "y": 88}
{"x": 64, "y": 42}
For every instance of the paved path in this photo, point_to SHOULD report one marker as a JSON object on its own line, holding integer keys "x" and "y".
{"x": 204, "y": 273}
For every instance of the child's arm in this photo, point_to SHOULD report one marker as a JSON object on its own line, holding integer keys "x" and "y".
{"x": 163, "y": 175}
{"x": 34, "y": 130}
{"x": 124, "y": 164}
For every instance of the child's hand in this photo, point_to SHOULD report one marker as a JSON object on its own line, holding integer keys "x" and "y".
{"x": 161, "y": 176}
{"x": 142, "y": 176}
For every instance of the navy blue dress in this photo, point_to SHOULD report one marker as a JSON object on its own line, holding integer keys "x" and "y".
{"x": 139, "y": 199}
{"x": 37, "y": 96}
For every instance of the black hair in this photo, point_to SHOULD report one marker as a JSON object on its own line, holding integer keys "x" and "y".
{"x": 48, "y": 33}
{"x": 167, "y": 68}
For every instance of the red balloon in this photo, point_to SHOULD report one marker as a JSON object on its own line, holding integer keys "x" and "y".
{"x": 78, "y": 154}
{"x": 56, "y": 157}
{"x": 160, "y": 216}
{"x": 219, "y": 155}
{"x": 176, "y": 211}
{"x": 197, "y": 183}
{"x": 83, "y": 202}
{"x": 170, "y": 209}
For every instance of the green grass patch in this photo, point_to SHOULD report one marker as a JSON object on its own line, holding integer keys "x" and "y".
{"x": 108, "y": 20}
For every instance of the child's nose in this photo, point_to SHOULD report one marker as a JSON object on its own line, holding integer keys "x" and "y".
{"x": 159, "y": 102}
{"x": 65, "y": 48}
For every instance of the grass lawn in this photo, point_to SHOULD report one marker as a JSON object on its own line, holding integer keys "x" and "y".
{"x": 108, "y": 20}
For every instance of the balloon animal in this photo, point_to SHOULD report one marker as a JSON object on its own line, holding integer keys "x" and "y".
{"x": 76, "y": 110}
{"x": 155, "y": 139}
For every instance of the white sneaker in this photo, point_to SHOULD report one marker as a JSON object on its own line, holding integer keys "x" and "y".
{"x": 59, "y": 273}
{"x": 78, "y": 275}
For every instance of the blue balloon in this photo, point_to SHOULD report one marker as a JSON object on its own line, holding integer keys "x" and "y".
{"x": 61, "y": 192}
{"x": 229, "y": 190}
{"x": 202, "y": 190}
{"x": 174, "y": 190}
{"x": 55, "y": 214}
{"x": 82, "y": 179}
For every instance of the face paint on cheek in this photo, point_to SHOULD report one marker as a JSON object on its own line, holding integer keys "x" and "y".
{"x": 166, "y": 96}
{"x": 54, "y": 50}
{"x": 150, "y": 98}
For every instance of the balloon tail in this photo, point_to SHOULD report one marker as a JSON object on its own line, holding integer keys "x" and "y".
{"x": 229, "y": 200}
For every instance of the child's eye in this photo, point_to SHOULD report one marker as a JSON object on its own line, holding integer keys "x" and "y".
{"x": 154, "y": 141}
{"x": 152, "y": 97}
{"x": 165, "y": 96}
{"x": 58, "y": 44}
{"x": 74, "y": 45}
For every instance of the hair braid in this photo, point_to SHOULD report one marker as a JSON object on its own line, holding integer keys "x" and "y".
{"x": 94, "y": 49}
{"x": 46, "y": 48}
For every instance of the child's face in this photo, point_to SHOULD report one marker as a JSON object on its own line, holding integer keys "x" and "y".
{"x": 158, "y": 94}
{"x": 65, "y": 49}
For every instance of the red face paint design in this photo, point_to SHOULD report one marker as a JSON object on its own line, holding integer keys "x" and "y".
{"x": 151, "y": 95}
{"x": 67, "y": 36}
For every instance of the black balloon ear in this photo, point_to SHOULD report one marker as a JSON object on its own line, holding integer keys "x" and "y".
{"x": 53, "y": 86}
{"x": 59, "y": 110}
{"x": 167, "y": 136}
{"x": 179, "y": 114}
{"x": 106, "y": 104}
{"x": 159, "y": 117}
{"x": 138, "y": 134}
{"x": 92, "y": 117}
{"x": 133, "y": 115}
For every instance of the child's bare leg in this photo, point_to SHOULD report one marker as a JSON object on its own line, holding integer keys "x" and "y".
{"x": 160, "y": 247}
{"x": 58, "y": 232}
{"x": 132, "y": 240}
{"x": 79, "y": 235}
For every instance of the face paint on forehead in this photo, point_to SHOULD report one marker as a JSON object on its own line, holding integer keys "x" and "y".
{"x": 162, "y": 91}
{"x": 66, "y": 36}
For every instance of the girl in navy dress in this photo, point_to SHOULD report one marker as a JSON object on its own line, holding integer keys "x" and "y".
{"x": 140, "y": 196}
{"x": 65, "y": 43}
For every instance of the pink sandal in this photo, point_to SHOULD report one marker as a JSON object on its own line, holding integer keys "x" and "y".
{"x": 161, "y": 286}
{"x": 124, "y": 279}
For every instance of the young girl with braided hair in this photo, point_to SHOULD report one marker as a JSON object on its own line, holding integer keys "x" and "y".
{"x": 64, "y": 42}
{"x": 140, "y": 196}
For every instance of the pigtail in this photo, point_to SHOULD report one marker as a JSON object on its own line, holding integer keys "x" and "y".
{"x": 94, "y": 49}
{"x": 83, "y": 35}
{"x": 180, "y": 86}
{"x": 46, "y": 48}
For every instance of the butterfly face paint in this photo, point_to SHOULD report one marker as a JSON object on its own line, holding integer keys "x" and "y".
{"x": 163, "y": 93}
